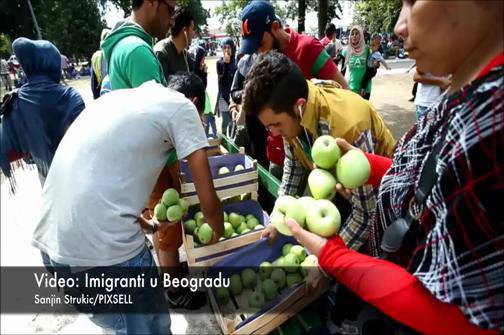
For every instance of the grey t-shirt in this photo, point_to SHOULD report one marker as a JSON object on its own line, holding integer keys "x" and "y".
{"x": 105, "y": 169}
{"x": 171, "y": 60}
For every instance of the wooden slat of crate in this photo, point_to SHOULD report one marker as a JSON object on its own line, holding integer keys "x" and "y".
{"x": 228, "y": 245}
{"x": 274, "y": 317}
{"x": 230, "y": 192}
{"x": 222, "y": 182}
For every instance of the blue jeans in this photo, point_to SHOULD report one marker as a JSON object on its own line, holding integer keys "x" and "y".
{"x": 151, "y": 314}
{"x": 227, "y": 123}
{"x": 420, "y": 111}
{"x": 210, "y": 123}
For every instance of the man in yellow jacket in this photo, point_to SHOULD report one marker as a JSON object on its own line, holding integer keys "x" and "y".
{"x": 299, "y": 110}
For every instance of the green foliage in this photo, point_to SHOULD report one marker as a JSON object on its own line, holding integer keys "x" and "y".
{"x": 5, "y": 46}
{"x": 377, "y": 15}
{"x": 229, "y": 13}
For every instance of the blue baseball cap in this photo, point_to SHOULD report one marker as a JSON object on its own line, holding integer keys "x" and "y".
{"x": 256, "y": 18}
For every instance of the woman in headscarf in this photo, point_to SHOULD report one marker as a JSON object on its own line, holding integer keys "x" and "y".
{"x": 226, "y": 68}
{"x": 99, "y": 67}
{"x": 439, "y": 225}
{"x": 356, "y": 56}
{"x": 42, "y": 111}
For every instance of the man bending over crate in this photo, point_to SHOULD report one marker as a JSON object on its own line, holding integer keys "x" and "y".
{"x": 100, "y": 179}
{"x": 300, "y": 110}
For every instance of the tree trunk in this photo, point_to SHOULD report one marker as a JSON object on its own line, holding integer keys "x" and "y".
{"x": 322, "y": 17}
{"x": 301, "y": 15}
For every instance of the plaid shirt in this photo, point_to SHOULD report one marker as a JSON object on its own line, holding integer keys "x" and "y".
{"x": 355, "y": 231}
{"x": 457, "y": 248}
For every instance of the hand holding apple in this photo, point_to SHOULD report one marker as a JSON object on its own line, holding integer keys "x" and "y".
{"x": 270, "y": 232}
{"x": 310, "y": 241}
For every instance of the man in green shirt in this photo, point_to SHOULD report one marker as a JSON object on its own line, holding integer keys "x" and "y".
{"x": 128, "y": 48}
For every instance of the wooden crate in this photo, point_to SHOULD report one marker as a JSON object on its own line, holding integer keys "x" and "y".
{"x": 214, "y": 147}
{"x": 228, "y": 185}
{"x": 207, "y": 255}
{"x": 231, "y": 318}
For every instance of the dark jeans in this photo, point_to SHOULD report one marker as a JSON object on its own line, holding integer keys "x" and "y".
{"x": 148, "y": 315}
{"x": 210, "y": 124}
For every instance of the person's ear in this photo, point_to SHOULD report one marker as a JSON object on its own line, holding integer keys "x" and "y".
{"x": 300, "y": 106}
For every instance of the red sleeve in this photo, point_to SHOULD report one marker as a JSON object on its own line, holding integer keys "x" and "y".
{"x": 379, "y": 166}
{"x": 14, "y": 156}
{"x": 394, "y": 291}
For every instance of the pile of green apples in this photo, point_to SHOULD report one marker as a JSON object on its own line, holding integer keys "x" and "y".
{"x": 285, "y": 272}
{"x": 225, "y": 170}
{"x": 320, "y": 216}
{"x": 351, "y": 170}
{"x": 171, "y": 207}
{"x": 234, "y": 225}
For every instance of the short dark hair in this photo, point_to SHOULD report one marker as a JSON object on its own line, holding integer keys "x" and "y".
{"x": 274, "y": 81}
{"x": 182, "y": 18}
{"x": 190, "y": 85}
{"x": 330, "y": 29}
{"x": 135, "y": 4}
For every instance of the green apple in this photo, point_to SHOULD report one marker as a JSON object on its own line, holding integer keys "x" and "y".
{"x": 235, "y": 284}
{"x": 296, "y": 212}
{"x": 249, "y": 278}
{"x": 245, "y": 196}
{"x": 205, "y": 233}
{"x": 306, "y": 203}
{"x": 256, "y": 300}
{"x": 170, "y": 197}
{"x": 225, "y": 217}
{"x": 228, "y": 230}
{"x": 293, "y": 279}
{"x": 286, "y": 249}
{"x": 174, "y": 213}
{"x": 265, "y": 270}
{"x": 223, "y": 170}
{"x": 322, "y": 184}
{"x": 234, "y": 234}
{"x": 222, "y": 294}
{"x": 199, "y": 218}
{"x": 239, "y": 167}
{"x": 252, "y": 222}
{"x": 234, "y": 219}
{"x": 283, "y": 202}
{"x": 195, "y": 234}
{"x": 353, "y": 169}
{"x": 222, "y": 238}
{"x": 160, "y": 212}
{"x": 299, "y": 252}
{"x": 189, "y": 226}
{"x": 325, "y": 152}
{"x": 278, "y": 262}
{"x": 242, "y": 218}
{"x": 269, "y": 289}
{"x": 259, "y": 227}
{"x": 241, "y": 227}
{"x": 309, "y": 264}
{"x": 278, "y": 276}
{"x": 290, "y": 262}
{"x": 244, "y": 231}
{"x": 184, "y": 205}
{"x": 278, "y": 220}
{"x": 249, "y": 216}
{"x": 324, "y": 219}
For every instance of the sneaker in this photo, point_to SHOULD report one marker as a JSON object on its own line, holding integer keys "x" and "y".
{"x": 186, "y": 299}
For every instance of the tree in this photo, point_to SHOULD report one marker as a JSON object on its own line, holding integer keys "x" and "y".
{"x": 326, "y": 11}
{"x": 5, "y": 46}
{"x": 73, "y": 26}
{"x": 229, "y": 13}
{"x": 377, "y": 15}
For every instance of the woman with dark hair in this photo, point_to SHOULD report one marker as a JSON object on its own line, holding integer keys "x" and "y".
{"x": 439, "y": 227}
{"x": 356, "y": 56}
{"x": 226, "y": 68}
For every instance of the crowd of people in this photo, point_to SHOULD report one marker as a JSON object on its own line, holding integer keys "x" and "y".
{"x": 421, "y": 247}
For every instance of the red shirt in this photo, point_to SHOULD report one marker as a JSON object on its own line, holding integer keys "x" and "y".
{"x": 310, "y": 56}
{"x": 275, "y": 149}
{"x": 325, "y": 41}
